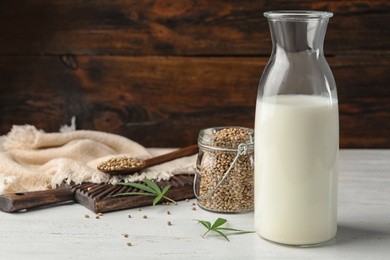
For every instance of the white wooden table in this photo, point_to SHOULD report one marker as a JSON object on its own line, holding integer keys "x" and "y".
{"x": 63, "y": 232}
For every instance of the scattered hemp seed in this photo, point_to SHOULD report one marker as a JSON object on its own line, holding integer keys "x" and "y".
{"x": 144, "y": 216}
{"x": 86, "y": 216}
{"x": 100, "y": 214}
{"x": 97, "y": 217}
{"x": 169, "y": 223}
{"x": 193, "y": 208}
{"x": 193, "y": 204}
{"x": 168, "y": 212}
{"x": 129, "y": 216}
{"x": 125, "y": 235}
{"x": 139, "y": 209}
{"x": 187, "y": 200}
{"x": 129, "y": 244}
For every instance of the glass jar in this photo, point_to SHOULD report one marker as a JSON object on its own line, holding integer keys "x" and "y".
{"x": 224, "y": 178}
{"x": 297, "y": 134}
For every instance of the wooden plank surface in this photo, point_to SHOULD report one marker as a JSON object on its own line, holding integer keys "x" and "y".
{"x": 165, "y": 101}
{"x": 179, "y": 27}
{"x": 172, "y": 67}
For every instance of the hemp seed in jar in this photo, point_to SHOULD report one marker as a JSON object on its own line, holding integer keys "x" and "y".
{"x": 224, "y": 180}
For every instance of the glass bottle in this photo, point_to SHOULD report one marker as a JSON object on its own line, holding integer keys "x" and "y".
{"x": 296, "y": 134}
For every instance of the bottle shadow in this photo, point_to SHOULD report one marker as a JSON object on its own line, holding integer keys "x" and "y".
{"x": 347, "y": 234}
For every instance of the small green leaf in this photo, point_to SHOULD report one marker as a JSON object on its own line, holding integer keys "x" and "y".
{"x": 206, "y": 224}
{"x": 222, "y": 234}
{"x": 166, "y": 188}
{"x": 233, "y": 229}
{"x": 152, "y": 185}
{"x": 219, "y": 222}
{"x": 157, "y": 199}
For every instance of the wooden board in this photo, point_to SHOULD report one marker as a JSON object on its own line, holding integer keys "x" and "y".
{"x": 96, "y": 197}
{"x": 99, "y": 198}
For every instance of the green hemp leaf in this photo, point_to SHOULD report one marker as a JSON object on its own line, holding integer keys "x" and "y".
{"x": 150, "y": 189}
{"x": 216, "y": 227}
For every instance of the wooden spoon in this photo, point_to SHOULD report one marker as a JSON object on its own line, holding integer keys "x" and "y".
{"x": 139, "y": 164}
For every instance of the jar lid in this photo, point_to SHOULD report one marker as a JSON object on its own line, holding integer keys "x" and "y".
{"x": 226, "y": 137}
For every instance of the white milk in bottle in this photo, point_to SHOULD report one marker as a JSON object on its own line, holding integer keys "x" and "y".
{"x": 296, "y": 151}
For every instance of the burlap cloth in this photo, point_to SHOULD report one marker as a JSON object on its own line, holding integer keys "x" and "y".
{"x": 31, "y": 159}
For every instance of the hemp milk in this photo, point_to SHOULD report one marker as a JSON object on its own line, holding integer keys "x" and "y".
{"x": 296, "y": 158}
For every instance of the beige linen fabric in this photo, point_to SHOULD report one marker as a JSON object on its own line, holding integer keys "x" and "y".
{"x": 31, "y": 159}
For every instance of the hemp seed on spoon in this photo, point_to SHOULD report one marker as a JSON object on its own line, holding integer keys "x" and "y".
{"x": 128, "y": 165}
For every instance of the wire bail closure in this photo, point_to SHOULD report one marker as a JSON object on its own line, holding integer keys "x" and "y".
{"x": 241, "y": 150}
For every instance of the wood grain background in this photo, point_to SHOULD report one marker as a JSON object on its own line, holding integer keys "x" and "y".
{"x": 159, "y": 71}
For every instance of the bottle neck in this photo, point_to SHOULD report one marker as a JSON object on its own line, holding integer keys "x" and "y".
{"x": 298, "y": 36}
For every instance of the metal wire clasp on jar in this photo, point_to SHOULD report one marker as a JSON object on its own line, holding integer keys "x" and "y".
{"x": 224, "y": 178}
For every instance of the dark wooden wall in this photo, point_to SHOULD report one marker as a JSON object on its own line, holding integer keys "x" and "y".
{"x": 159, "y": 71}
